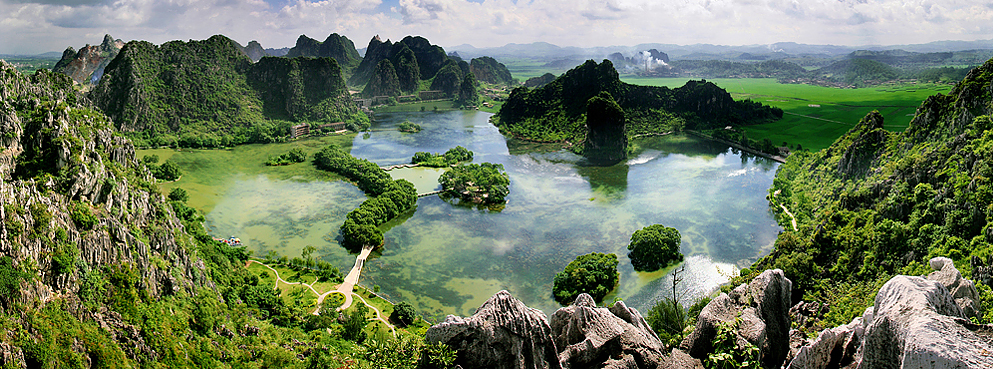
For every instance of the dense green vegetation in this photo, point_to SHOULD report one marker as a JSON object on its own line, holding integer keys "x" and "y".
{"x": 727, "y": 69}
{"x": 535, "y": 82}
{"x": 384, "y": 81}
{"x": 555, "y": 112}
{"x": 209, "y": 94}
{"x": 455, "y": 155}
{"x": 295, "y": 155}
{"x": 337, "y": 47}
{"x": 409, "y": 127}
{"x": 410, "y": 52}
{"x": 391, "y": 197}
{"x": 192, "y": 303}
{"x": 858, "y": 72}
{"x": 489, "y": 70}
{"x": 484, "y": 183}
{"x": 877, "y": 203}
{"x": 654, "y": 247}
{"x": 594, "y": 273}
{"x": 168, "y": 171}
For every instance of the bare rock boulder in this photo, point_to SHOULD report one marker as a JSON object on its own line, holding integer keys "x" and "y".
{"x": 502, "y": 334}
{"x": 763, "y": 306}
{"x": 916, "y": 323}
{"x": 596, "y": 337}
{"x": 962, "y": 290}
{"x": 833, "y": 348}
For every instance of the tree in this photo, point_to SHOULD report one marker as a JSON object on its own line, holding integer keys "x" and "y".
{"x": 354, "y": 324}
{"x": 168, "y": 171}
{"x": 178, "y": 194}
{"x": 404, "y": 313}
{"x": 654, "y": 247}
{"x": 667, "y": 318}
{"x": 594, "y": 273}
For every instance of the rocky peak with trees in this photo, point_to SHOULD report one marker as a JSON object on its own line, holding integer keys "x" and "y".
{"x": 87, "y": 65}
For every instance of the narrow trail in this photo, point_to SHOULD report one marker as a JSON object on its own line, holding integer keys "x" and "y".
{"x": 345, "y": 288}
{"x": 792, "y": 218}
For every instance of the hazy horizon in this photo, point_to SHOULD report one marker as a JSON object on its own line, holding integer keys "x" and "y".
{"x": 38, "y": 26}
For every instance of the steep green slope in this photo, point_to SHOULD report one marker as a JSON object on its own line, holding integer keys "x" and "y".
{"x": 490, "y": 70}
{"x": 99, "y": 269}
{"x": 877, "y": 203}
{"x": 428, "y": 59}
{"x": 556, "y": 111}
{"x": 336, "y": 47}
{"x": 208, "y": 93}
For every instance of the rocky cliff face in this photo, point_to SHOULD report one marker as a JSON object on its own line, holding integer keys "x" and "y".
{"x": 73, "y": 198}
{"x": 255, "y": 51}
{"x": 606, "y": 131}
{"x": 86, "y": 66}
{"x": 336, "y": 46}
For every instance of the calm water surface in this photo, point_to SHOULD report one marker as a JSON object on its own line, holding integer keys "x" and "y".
{"x": 448, "y": 259}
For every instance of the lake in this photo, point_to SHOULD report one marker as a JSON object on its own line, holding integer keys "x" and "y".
{"x": 448, "y": 259}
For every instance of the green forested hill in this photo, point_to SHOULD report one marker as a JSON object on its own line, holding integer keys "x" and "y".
{"x": 208, "y": 93}
{"x": 877, "y": 203}
{"x": 336, "y": 47}
{"x": 98, "y": 269}
{"x": 413, "y": 59}
{"x": 858, "y": 72}
{"x": 556, "y": 111}
{"x": 489, "y": 70}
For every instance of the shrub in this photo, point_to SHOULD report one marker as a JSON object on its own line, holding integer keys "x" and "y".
{"x": 654, "y": 247}
{"x": 404, "y": 313}
{"x": 81, "y": 214}
{"x": 594, "y": 273}
{"x": 178, "y": 194}
{"x": 668, "y": 319}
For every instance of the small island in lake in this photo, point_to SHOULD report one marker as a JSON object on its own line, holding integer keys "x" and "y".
{"x": 485, "y": 183}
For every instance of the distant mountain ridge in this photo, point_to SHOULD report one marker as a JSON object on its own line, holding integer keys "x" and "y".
{"x": 544, "y": 50}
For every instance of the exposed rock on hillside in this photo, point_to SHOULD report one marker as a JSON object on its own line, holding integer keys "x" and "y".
{"x": 763, "y": 306}
{"x": 589, "y": 336}
{"x": 504, "y": 333}
{"x": 87, "y": 65}
{"x": 255, "y": 51}
{"x": 428, "y": 58}
{"x": 64, "y": 162}
{"x": 915, "y": 323}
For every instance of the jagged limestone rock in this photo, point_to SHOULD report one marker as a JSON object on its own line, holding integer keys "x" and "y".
{"x": 503, "y": 333}
{"x": 590, "y": 336}
{"x": 11, "y": 356}
{"x": 763, "y": 306}
{"x": 916, "y": 323}
{"x": 833, "y": 348}
{"x": 962, "y": 290}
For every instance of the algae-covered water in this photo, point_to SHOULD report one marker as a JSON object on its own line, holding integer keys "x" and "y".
{"x": 448, "y": 259}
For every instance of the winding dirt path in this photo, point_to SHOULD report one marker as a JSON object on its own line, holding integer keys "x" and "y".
{"x": 344, "y": 288}
{"x": 792, "y": 218}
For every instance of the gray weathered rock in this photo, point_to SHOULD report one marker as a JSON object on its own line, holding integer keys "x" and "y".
{"x": 11, "y": 356}
{"x": 916, "y": 324}
{"x": 503, "y": 333}
{"x": 962, "y": 290}
{"x": 763, "y": 306}
{"x": 833, "y": 348}
{"x": 590, "y": 336}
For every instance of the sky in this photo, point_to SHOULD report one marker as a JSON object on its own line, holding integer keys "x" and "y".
{"x": 38, "y": 26}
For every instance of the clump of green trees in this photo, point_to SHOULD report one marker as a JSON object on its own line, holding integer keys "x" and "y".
{"x": 485, "y": 183}
{"x": 594, "y": 273}
{"x": 654, "y": 247}
{"x": 408, "y": 127}
{"x": 391, "y": 197}
{"x": 168, "y": 171}
{"x": 295, "y": 155}
{"x": 453, "y": 156}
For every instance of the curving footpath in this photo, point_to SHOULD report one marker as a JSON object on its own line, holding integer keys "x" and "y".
{"x": 792, "y": 218}
{"x": 345, "y": 288}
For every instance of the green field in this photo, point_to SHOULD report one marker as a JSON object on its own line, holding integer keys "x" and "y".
{"x": 522, "y": 69}
{"x": 816, "y": 116}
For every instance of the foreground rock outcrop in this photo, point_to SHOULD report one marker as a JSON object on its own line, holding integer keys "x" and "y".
{"x": 504, "y": 333}
{"x": 915, "y": 323}
{"x": 763, "y": 307}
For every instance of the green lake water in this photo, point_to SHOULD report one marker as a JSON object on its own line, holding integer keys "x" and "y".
{"x": 448, "y": 259}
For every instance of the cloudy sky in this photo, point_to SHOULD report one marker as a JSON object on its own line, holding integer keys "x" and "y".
{"x": 37, "y": 26}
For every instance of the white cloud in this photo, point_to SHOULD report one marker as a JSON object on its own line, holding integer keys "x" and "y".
{"x": 32, "y": 26}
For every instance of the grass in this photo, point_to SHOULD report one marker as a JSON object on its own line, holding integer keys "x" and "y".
{"x": 816, "y": 116}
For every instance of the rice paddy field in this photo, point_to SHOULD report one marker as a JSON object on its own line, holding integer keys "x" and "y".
{"x": 816, "y": 116}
